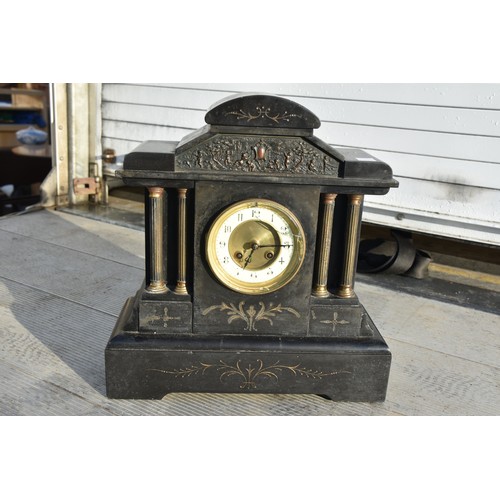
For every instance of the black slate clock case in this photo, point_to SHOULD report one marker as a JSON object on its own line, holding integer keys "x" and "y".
{"x": 185, "y": 331}
{"x": 210, "y": 199}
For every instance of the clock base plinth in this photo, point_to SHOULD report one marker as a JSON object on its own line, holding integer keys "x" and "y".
{"x": 149, "y": 366}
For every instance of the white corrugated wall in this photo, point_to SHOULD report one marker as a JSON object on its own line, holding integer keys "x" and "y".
{"x": 441, "y": 140}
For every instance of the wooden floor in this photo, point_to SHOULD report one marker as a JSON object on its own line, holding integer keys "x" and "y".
{"x": 64, "y": 279}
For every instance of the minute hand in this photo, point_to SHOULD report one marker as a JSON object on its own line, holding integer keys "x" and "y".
{"x": 269, "y": 246}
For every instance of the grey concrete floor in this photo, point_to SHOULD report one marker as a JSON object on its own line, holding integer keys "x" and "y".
{"x": 64, "y": 279}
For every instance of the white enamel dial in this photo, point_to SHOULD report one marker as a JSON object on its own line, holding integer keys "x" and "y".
{"x": 255, "y": 246}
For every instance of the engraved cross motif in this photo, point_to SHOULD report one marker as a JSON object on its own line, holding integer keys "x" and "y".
{"x": 335, "y": 321}
{"x": 165, "y": 317}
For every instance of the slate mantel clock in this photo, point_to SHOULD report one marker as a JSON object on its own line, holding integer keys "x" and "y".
{"x": 252, "y": 234}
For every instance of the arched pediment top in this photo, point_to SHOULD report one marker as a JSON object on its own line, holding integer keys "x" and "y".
{"x": 261, "y": 110}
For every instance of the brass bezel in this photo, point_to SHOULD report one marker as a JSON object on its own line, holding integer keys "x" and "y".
{"x": 278, "y": 281}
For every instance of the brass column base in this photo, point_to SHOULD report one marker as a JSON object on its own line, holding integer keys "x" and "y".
{"x": 180, "y": 288}
{"x": 157, "y": 287}
{"x": 320, "y": 291}
{"x": 345, "y": 292}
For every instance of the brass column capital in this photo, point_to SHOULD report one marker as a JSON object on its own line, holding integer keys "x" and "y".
{"x": 156, "y": 192}
{"x": 329, "y": 198}
{"x": 356, "y": 199}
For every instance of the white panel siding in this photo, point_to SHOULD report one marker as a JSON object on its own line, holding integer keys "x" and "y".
{"x": 481, "y": 96}
{"x": 441, "y": 140}
{"x": 451, "y": 210}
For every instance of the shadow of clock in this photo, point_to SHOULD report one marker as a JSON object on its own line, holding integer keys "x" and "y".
{"x": 216, "y": 404}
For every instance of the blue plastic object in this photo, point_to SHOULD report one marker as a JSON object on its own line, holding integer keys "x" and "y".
{"x": 31, "y": 135}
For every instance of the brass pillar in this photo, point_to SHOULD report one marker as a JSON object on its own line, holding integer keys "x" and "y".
{"x": 157, "y": 279}
{"x": 321, "y": 277}
{"x": 181, "y": 272}
{"x": 346, "y": 287}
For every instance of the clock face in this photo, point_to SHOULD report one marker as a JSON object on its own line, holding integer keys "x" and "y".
{"x": 255, "y": 246}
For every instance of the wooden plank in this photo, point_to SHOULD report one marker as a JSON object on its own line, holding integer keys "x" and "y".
{"x": 96, "y": 282}
{"x": 55, "y": 368}
{"x": 46, "y": 353}
{"x": 426, "y": 382}
{"x": 81, "y": 234}
{"x": 25, "y": 394}
{"x": 52, "y": 363}
{"x": 445, "y": 357}
{"x": 437, "y": 326}
{"x": 52, "y": 357}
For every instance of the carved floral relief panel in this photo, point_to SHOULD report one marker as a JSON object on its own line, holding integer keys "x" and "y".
{"x": 271, "y": 155}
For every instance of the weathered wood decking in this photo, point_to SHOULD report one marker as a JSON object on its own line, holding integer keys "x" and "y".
{"x": 64, "y": 279}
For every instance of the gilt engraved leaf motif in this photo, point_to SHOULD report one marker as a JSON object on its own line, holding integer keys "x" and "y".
{"x": 263, "y": 112}
{"x": 250, "y": 316}
{"x": 250, "y": 374}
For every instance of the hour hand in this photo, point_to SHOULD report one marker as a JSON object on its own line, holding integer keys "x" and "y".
{"x": 255, "y": 246}
{"x": 249, "y": 258}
